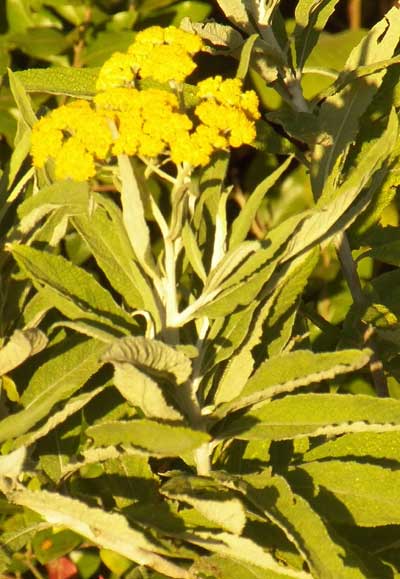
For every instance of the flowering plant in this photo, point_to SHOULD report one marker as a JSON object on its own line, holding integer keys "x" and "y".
{"x": 175, "y": 412}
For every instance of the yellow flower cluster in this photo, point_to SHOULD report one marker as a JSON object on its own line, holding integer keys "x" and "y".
{"x": 150, "y": 122}
{"x": 73, "y": 135}
{"x": 163, "y": 54}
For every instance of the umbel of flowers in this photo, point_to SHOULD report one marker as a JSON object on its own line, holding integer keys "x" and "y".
{"x": 150, "y": 123}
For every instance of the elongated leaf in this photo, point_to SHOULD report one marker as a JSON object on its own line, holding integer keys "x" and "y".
{"x": 74, "y": 291}
{"x": 65, "y": 194}
{"x": 242, "y": 223}
{"x": 351, "y": 492}
{"x": 235, "y": 11}
{"x": 193, "y": 252}
{"x": 133, "y": 215}
{"x": 227, "y": 568}
{"x": 151, "y": 436}
{"x": 301, "y": 524}
{"x": 311, "y": 17}
{"x": 279, "y": 325}
{"x": 210, "y": 499}
{"x": 21, "y": 346}
{"x": 75, "y": 82}
{"x": 293, "y": 370}
{"x": 11, "y": 464}
{"x": 74, "y": 404}
{"x": 244, "y": 550}
{"x": 152, "y": 355}
{"x": 108, "y": 530}
{"x": 245, "y": 56}
{"x": 141, "y": 391}
{"x": 340, "y": 114}
{"x": 54, "y": 381}
{"x": 371, "y": 445}
{"x": 333, "y": 205}
{"x": 22, "y": 99}
{"x": 316, "y": 414}
{"x": 104, "y": 233}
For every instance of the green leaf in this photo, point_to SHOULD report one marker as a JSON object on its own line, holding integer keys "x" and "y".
{"x": 311, "y": 17}
{"x": 340, "y": 114}
{"x": 75, "y": 82}
{"x": 279, "y": 324}
{"x": 289, "y": 371}
{"x": 151, "y": 355}
{"x": 49, "y": 545}
{"x": 21, "y": 98}
{"x": 63, "y": 194}
{"x": 107, "y": 530}
{"x": 228, "y": 568}
{"x": 12, "y": 464}
{"x": 21, "y": 346}
{"x": 105, "y": 234}
{"x": 193, "y": 252}
{"x": 242, "y": 224}
{"x": 351, "y": 492}
{"x": 143, "y": 392}
{"x": 151, "y": 436}
{"x": 371, "y": 445}
{"x": 210, "y": 499}
{"x": 133, "y": 215}
{"x": 273, "y": 497}
{"x": 317, "y": 414}
{"x": 65, "y": 373}
{"x": 73, "y": 291}
{"x": 42, "y": 43}
{"x": 243, "y": 550}
{"x": 235, "y": 11}
{"x": 72, "y": 405}
{"x": 245, "y": 56}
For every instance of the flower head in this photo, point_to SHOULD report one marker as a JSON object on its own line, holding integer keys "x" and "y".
{"x": 164, "y": 54}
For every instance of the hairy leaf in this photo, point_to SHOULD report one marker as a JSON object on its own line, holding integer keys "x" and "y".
{"x": 316, "y": 414}
{"x": 52, "y": 382}
{"x": 151, "y": 355}
{"x": 149, "y": 435}
{"x": 293, "y": 370}
{"x": 74, "y": 291}
{"x": 351, "y": 492}
{"x": 21, "y": 345}
{"x": 108, "y": 530}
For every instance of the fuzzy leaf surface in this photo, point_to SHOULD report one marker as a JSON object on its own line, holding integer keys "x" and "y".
{"x": 149, "y": 435}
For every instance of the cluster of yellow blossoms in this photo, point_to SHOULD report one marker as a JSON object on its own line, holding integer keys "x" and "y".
{"x": 151, "y": 123}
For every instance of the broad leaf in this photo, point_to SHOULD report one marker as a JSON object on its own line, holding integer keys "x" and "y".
{"x": 211, "y": 500}
{"x": 317, "y": 414}
{"x": 151, "y": 355}
{"x": 384, "y": 446}
{"x": 143, "y": 392}
{"x": 351, "y": 492}
{"x": 293, "y": 370}
{"x": 272, "y": 496}
{"x": 21, "y": 346}
{"x": 151, "y": 436}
